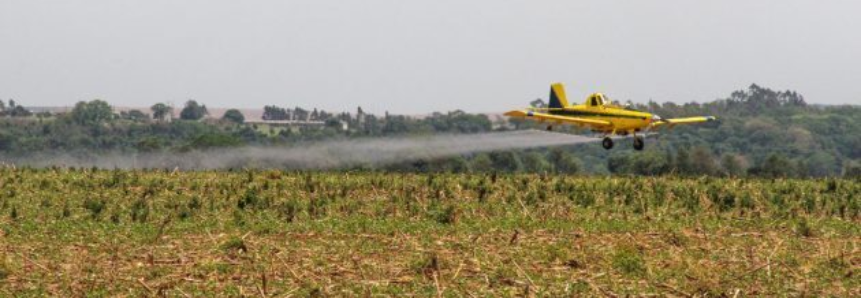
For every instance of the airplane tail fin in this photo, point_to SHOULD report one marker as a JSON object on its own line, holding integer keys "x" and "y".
{"x": 557, "y": 96}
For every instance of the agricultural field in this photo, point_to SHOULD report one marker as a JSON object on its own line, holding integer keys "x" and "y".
{"x": 93, "y": 233}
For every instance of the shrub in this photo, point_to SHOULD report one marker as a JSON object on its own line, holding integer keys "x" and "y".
{"x": 445, "y": 215}
{"x": 249, "y": 199}
{"x": 804, "y": 229}
{"x": 95, "y": 207}
{"x": 140, "y": 210}
{"x": 289, "y": 210}
{"x": 234, "y": 245}
{"x": 628, "y": 261}
{"x": 4, "y": 271}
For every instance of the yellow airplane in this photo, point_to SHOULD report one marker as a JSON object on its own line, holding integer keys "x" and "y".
{"x": 599, "y": 115}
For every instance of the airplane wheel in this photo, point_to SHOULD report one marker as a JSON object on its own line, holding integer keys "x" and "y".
{"x": 607, "y": 143}
{"x": 549, "y": 127}
{"x": 639, "y": 144}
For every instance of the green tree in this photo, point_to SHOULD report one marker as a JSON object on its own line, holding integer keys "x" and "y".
{"x": 564, "y": 162}
{"x": 650, "y": 163}
{"x": 15, "y": 110}
{"x": 507, "y": 161}
{"x": 234, "y": 115}
{"x": 275, "y": 113}
{"x": 19, "y": 111}
{"x": 538, "y": 103}
{"x": 682, "y": 162}
{"x": 821, "y": 164}
{"x": 213, "y": 140}
{"x": 536, "y": 162}
{"x": 852, "y": 170}
{"x": 193, "y": 111}
{"x": 703, "y": 162}
{"x": 776, "y": 165}
{"x": 618, "y": 163}
{"x": 160, "y": 111}
{"x": 733, "y": 165}
{"x": 481, "y": 163}
{"x": 92, "y": 113}
{"x": 134, "y": 115}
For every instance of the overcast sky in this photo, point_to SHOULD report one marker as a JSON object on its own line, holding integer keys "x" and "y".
{"x": 422, "y": 56}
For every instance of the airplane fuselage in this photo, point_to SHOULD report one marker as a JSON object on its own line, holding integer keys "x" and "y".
{"x": 622, "y": 120}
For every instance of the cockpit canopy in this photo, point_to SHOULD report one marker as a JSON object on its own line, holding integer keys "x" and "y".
{"x": 596, "y": 100}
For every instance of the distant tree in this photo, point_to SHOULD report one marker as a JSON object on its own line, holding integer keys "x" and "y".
{"x": 650, "y": 163}
{"x": 563, "y": 161}
{"x": 618, "y": 163}
{"x": 14, "y": 110}
{"x": 149, "y": 144}
{"x": 213, "y": 140}
{"x": 160, "y": 111}
{"x": 774, "y": 166}
{"x": 506, "y": 161}
{"x": 274, "y": 113}
{"x": 234, "y": 115}
{"x": 19, "y": 111}
{"x": 134, "y": 115}
{"x": 703, "y": 162}
{"x": 733, "y": 165}
{"x": 7, "y": 141}
{"x": 193, "y": 111}
{"x": 853, "y": 142}
{"x": 535, "y": 162}
{"x": 481, "y": 163}
{"x": 396, "y": 125}
{"x": 852, "y": 170}
{"x": 821, "y": 164}
{"x": 456, "y": 164}
{"x": 538, "y": 103}
{"x": 300, "y": 114}
{"x": 92, "y": 113}
{"x": 682, "y": 162}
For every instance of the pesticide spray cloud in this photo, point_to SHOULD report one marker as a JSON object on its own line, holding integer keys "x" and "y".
{"x": 321, "y": 155}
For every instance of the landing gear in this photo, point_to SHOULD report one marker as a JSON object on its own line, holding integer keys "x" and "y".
{"x": 549, "y": 127}
{"x": 639, "y": 143}
{"x": 607, "y": 143}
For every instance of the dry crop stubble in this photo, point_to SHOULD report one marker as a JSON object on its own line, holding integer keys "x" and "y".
{"x": 73, "y": 232}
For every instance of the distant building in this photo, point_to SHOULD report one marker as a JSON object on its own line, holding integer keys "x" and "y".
{"x": 308, "y": 123}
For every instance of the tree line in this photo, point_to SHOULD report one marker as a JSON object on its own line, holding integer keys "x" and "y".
{"x": 760, "y": 132}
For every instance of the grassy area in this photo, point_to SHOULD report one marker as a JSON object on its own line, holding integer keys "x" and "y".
{"x": 268, "y": 233}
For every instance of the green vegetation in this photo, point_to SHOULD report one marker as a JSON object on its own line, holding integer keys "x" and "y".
{"x": 77, "y": 232}
{"x": 193, "y": 111}
{"x": 760, "y": 132}
{"x": 234, "y": 115}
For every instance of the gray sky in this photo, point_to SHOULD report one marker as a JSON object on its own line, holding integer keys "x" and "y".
{"x": 422, "y": 56}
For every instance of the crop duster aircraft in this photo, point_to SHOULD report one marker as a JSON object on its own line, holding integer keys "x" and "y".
{"x": 600, "y": 116}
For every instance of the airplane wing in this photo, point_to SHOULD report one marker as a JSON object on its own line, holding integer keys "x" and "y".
{"x": 561, "y": 119}
{"x": 669, "y": 123}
